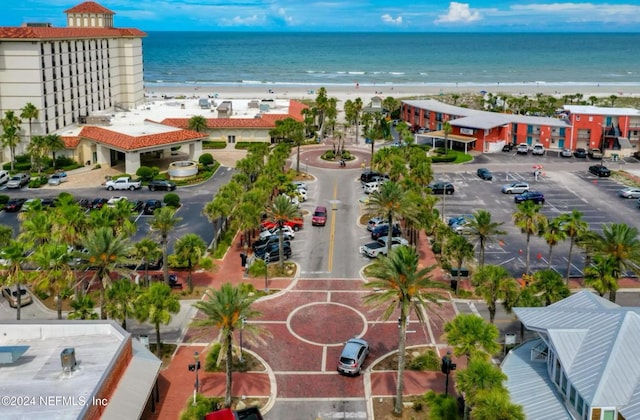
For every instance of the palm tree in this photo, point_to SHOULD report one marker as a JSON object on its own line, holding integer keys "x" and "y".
{"x": 156, "y": 305}
{"x": 148, "y": 250}
{"x": 56, "y": 274}
{"x": 107, "y": 254}
{"x": 553, "y": 234}
{"x": 471, "y": 336}
{"x": 494, "y": 283}
{"x": 82, "y": 306}
{"x": 574, "y": 227}
{"x": 29, "y": 112}
{"x": 121, "y": 300}
{"x": 15, "y": 255}
{"x": 197, "y": 123}
{"x": 459, "y": 250}
{"x": 619, "y": 242}
{"x": 357, "y": 110}
{"x": 600, "y": 274}
{"x": 480, "y": 375}
{"x": 53, "y": 143}
{"x": 164, "y": 221}
{"x": 190, "y": 248}
{"x": 391, "y": 201}
{"x": 6, "y": 233}
{"x": 446, "y": 129}
{"x": 441, "y": 407}
{"x": 549, "y": 286}
{"x": 483, "y": 230}
{"x": 399, "y": 283}
{"x": 281, "y": 210}
{"x": 496, "y": 405}
{"x": 227, "y": 309}
{"x": 530, "y": 221}
{"x": 11, "y": 134}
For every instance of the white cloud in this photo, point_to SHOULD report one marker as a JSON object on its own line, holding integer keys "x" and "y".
{"x": 459, "y": 13}
{"x": 387, "y": 18}
{"x": 243, "y": 21}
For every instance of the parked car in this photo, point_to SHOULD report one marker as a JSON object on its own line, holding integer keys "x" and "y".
{"x": 535, "y": 196}
{"x": 98, "y": 203}
{"x": 507, "y": 147}
{"x": 287, "y": 232}
{"x": 57, "y": 178}
{"x": 375, "y": 221}
{"x": 600, "y": 170}
{"x": 383, "y": 230}
{"x": 538, "y": 149}
{"x": 14, "y": 204}
{"x": 113, "y": 201}
{"x": 302, "y": 194}
{"x": 595, "y": 154}
{"x": 442, "y": 188}
{"x": 485, "y": 174}
{"x": 10, "y": 293}
{"x": 271, "y": 252}
{"x": 319, "y": 217}
{"x": 18, "y": 181}
{"x": 353, "y": 355}
{"x": 523, "y": 149}
{"x": 379, "y": 247}
{"x": 566, "y": 153}
{"x": 515, "y": 188}
{"x": 369, "y": 176}
{"x": 461, "y": 226}
{"x": 629, "y": 192}
{"x": 371, "y": 187}
{"x": 137, "y": 206}
{"x": 162, "y": 185}
{"x": 300, "y": 185}
{"x": 457, "y": 219}
{"x": 150, "y": 206}
{"x": 296, "y": 224}
{"x": 4, "y": 177}
{"x": 580, "y": 153}
{"x": 259, "y": 245}
{"x": 29, "y": 203}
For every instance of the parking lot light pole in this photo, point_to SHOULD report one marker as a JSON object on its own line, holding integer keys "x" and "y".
{"x": 244, "y": 321}
{"x": 195, "y": 367}
{"x": 266, "y": 278}
{"x": 446, "y": 367}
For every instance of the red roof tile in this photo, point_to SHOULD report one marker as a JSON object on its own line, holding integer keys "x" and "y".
{"x": 266, "y": 121}
{"x": 127, "y": 142}
{"x": 89, "y": 7}
{"x": 26, "y": 32}
{"x": 71, "y": 142}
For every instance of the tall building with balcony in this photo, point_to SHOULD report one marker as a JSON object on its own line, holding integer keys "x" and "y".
{"x": 72, "y": 72}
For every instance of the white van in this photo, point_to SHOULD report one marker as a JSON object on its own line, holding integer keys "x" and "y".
{"x": 4, "y": 177}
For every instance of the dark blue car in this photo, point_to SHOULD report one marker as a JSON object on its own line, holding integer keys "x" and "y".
{"x": 383, "y": 230}
{"x": 535, "y": 196}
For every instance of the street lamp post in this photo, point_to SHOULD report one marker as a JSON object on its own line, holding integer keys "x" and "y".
{"x": 266, "y": 278}
{"x": 195, "y": 367}
{"x": 446, "y": 367}
{"x": 244, "y": 321}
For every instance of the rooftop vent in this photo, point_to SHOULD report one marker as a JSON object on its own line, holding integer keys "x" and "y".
{"x": 68, "y": 359}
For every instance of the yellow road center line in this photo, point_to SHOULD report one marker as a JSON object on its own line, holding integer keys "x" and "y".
{"x": 332, "y": 232}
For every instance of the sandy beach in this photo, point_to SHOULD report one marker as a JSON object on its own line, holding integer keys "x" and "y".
{"x": 343, "y": 93}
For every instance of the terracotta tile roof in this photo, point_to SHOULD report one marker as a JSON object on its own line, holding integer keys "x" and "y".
{"x": 71, "y": 142}
{"x": 266, "y": 121}
{"x": 89, "y": 7}
{"x": 24, "y": 32}
{"x": 127, "y": 142}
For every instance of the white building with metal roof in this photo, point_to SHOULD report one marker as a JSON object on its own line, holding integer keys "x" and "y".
{"x": 74, "y": 369}
{"x": 585, "y": 364}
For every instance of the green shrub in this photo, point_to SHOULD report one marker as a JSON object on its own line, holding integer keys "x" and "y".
{"x": 214, "y": 144}
{"x": 206, "y": 263}
{"x": 172, "y": 200}
{"x": 443, "y": 159}
{"x": 244, "y": 145}
{"x": 38, "y": 181}
{"x": 428, "y": 360}
{"x": 258, "y": 268}
{"x": 212, "y": 358}
{"x": 4, "y": 199}
{"x": 64, "y": 162}
{"x": 329, "y": 155}
{"x": 146, "y": 173}
{"x": 206, "y": 159}
{"x": 204, "y": 405}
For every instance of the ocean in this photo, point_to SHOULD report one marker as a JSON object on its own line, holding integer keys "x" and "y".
{"x": 411, "y": 59}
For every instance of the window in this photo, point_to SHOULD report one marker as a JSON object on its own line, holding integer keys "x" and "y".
{"x": 580, "y": 405}
{"x": 563, "y": 384}
{"x": 609, "y": 415}
{"x": 572, "y": 395}
{"x": 558, "y": 370}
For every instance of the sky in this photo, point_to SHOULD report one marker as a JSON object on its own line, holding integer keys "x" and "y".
{"x": 345, "y": 15}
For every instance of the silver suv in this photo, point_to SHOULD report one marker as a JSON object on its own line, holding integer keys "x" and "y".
{"x": 515, "y": 188}
{"x": 353, "y": 355}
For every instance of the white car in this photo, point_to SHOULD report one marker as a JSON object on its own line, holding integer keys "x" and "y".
{"x": 57, "y": 179}
{"x": 302, "y": 194}
{"x": 371, "y": 187}
{"x": 286, "y": 231}
{"x": 113, "y": 201}
{"x": 300, "y": 185}
{"x": 538, "y": 149}
{"x": 515, "y": 188}
{"x": 294, "y": 200}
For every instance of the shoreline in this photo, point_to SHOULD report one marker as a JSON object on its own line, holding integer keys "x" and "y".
{"x": 365, "y": 92}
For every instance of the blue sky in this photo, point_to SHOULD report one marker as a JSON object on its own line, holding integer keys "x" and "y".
{"x": 345, "y": 16}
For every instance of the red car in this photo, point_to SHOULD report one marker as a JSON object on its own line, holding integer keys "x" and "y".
{"x": 296, "y": 224}
{"x": 319, "y": 217}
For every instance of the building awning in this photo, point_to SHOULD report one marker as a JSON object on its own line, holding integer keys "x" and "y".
{"x": 452, "y": 137}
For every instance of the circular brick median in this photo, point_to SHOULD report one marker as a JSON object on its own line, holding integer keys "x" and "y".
{"x": 326, "y": 324}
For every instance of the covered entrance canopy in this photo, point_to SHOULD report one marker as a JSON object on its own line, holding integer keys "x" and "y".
{"x": 435, "y": 137}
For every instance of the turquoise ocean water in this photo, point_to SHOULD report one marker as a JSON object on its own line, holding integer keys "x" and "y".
{"x": 327, "y": 59}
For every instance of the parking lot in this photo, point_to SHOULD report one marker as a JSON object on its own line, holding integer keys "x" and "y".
{"x": 566, "y": 185}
